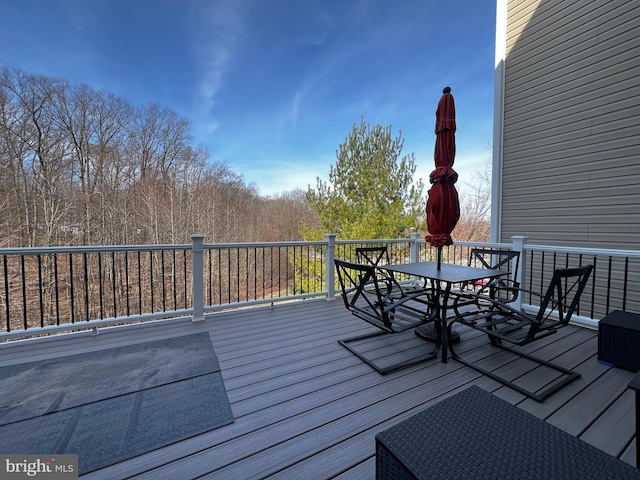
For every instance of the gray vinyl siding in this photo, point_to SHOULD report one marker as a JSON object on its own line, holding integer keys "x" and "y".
{"x": 571, "y": 142}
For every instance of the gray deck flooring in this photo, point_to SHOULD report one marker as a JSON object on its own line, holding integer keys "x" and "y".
{"x": 305, "y": 407}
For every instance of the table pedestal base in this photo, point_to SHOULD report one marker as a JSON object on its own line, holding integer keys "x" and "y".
{"x": 430, "y": 334}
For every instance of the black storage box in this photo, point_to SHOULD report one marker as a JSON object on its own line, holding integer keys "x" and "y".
{"x": 619, "y": 340}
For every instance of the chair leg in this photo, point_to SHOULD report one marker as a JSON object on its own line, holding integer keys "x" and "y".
{"x": 390, "y": 368}
{"x": 569, "y": 375}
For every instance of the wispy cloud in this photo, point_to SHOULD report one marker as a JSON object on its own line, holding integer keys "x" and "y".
{"x": 297, "y": 102}
{"x": 295, "y": 105}
{"x": 217, "y": 28}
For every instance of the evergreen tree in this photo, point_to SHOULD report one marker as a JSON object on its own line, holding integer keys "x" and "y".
{"x": 371, "y": 193}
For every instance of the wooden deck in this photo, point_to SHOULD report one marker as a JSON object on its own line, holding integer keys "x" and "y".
{"x": 307, "y": 408}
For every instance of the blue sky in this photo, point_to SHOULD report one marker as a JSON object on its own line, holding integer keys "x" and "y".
{"x": 273, "y": 87}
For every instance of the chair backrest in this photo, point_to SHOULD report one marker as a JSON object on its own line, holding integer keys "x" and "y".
{"x": 508, "y": 260}
{"x": 373, "y": 255}
{"x": 376, "y": 256}
{"x": 563, "y": 296}
{"x": 362, "y": 293}
{"x": 505, "y": 288}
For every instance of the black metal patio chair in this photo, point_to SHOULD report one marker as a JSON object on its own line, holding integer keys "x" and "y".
{"x": 365, "y": 296}
{"x": 504, "y": 323}
{"x": 504, "y": 287}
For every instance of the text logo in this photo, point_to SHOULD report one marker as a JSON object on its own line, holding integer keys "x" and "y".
{"x": 50, "y": 467}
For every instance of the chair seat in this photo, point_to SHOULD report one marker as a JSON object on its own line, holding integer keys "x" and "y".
{"x": 395, "y": 314}
{"x": 505, "y": 327}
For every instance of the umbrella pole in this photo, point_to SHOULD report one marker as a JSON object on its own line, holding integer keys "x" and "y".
{"x": 439, "y": 257}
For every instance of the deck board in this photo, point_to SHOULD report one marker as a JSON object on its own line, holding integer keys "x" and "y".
{"x": 305, "y": 407}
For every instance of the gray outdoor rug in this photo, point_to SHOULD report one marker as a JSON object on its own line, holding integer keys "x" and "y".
{"x": 111, "y": 405}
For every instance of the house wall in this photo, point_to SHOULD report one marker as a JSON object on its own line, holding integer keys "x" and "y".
{"x": 569, "y": 158}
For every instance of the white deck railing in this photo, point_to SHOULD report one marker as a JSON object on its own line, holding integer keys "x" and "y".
{"x": 54, "y": 289}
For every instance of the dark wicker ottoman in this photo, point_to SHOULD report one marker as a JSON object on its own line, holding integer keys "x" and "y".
{"x": 475, "y": 435}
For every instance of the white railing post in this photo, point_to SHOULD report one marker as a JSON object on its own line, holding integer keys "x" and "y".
{"x": 197, "y": 271}
{"x": 415, "y": 250}
{"x": 330, "y": 274}
{"x": 518, "y": 246}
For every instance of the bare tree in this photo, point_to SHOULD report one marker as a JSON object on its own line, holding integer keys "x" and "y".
{"x": 80, "y": 166}
{"x": 45, "y": 162}
{"x": 475, "y": 208}
{"x": 15, "y": 207}
{"x": 94, "y": 124}
{"x": 283, "y": 215}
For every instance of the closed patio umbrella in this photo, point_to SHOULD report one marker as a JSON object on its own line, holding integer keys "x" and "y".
{"x": 443, "y": 206}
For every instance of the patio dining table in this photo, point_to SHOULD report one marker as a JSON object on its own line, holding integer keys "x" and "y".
{"x": 442, "y": 280}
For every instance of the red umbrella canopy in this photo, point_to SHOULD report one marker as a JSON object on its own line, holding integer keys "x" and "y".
{"x": 443, "y": 205}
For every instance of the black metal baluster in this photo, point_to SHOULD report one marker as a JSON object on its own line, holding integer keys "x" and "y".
{"x": 163, "y": 280}
{"x": 566, "y": 265}
{"x": 593, "y": 285}
{"x": 184, "y": 256}
{"x": 211, "y": 302}
{"x": 139, "y": 284}
{"x": 541, "y": 287}
{"x": 286, "y": 271}
{"x": 254, "y": 261}
{"x": 55, "y": 275}
{"x": 264, "y": 271}
{"x": 71, "y": 289}
{"x": 531, "y": 272}
{"x": 151, "y": 279}
{"x": 323, "y": 267}
{"x": 6, "y": 293}
{"x": 86, "y": 286}
{"x": 218, "y": 274}
{"x": 113, "y": 283}
{"x": 24, "y": 294}
{"x": 302, "y": 259}
{"x": 271, "y": 269}
{"x": 624, "y": 288}
{"x": 100, "y": 289}
{"x": 246, "y": 274}
{"x": 126, "y": 281}
{"x": 608, "y": 285}
{"x": 175, "y": 284}
{"x": 295, "y": 287}
{"x": 40, "y": 290}
{"x": 228, "y": 297}
{"x": 279, "y": 270}
{"x": 238, "y": 296}
{"x": 315, "y": 264}
{"x": 579, "y": 265}
{"x": 310, "y": 286}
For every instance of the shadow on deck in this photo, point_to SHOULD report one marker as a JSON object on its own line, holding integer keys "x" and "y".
{"x": 305, "y": 407}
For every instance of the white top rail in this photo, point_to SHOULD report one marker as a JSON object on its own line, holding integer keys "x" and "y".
{"x": 90, "y": 249}
{"x": 585, "y": 251}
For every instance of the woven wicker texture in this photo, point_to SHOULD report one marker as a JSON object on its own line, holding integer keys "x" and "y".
{"x": 619, "y": 340}
{"x": 474, "y": 434}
